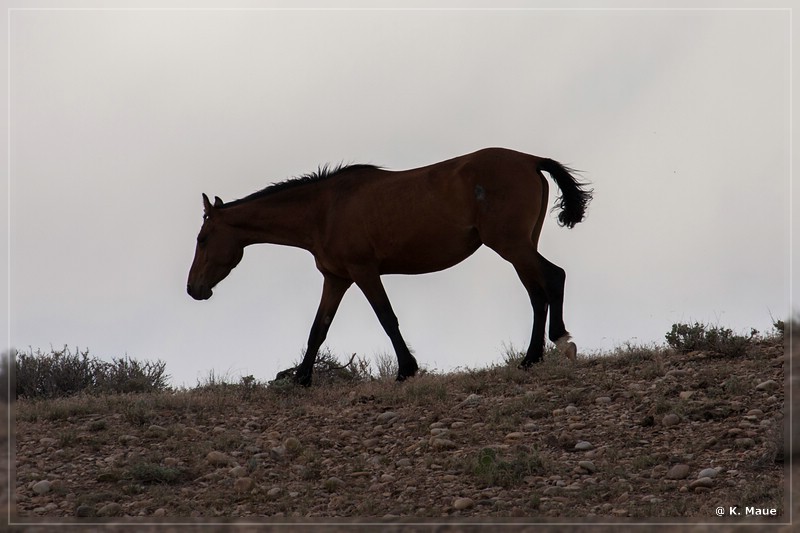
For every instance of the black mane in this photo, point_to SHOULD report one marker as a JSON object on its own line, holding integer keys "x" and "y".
{"x": 322, "y": 173}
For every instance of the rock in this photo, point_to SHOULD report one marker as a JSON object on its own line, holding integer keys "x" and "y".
{"x": 292, "y": 445}
{"x": 48, "y": 442}
{"x": 127, "y": 440}
{"x": 160, "y": 512}
{"x": 471, "y": 401}
{"x": 703, "y": 482}
{"x": 686, "y": 394}
{"x": 587, "y": 465}
{"x": 110, "y": 509}
{"x": 768, "y": 385}
{"x": 84, "y": 511}
{"x": 442, "y": 444}
{"x": 515, "y": 435}
{"x": 679, "y": 471}
{"x": 274, "y": 492}
{"x": 42, "y": 487}
{"x": 583, "y": 446}
{"x": 218, "y": 458}
{"x": 744, "y": 443}
{"x": 333, "y": 483}
{"x": 602, "y": 400}
{"x": 243, "y": 484}
{"x": 238, "y": 471}
{"x": 463, "y": 503}
{"x": 708, "y": 472}
{"x": 570, "y": 409}
{"x": 387, "y": 478}
{"x": 278, "y": 452}
{"x": 670, "y": 420}
{"x": 387, "y": 416}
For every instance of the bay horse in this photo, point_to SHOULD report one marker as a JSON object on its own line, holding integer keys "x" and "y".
{"x": 361, "y": 221}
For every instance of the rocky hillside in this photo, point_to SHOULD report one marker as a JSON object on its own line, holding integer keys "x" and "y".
{"x": 643, "y": 435}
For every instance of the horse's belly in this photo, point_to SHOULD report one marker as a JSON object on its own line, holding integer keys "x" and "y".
{"x": 424, "y": 255}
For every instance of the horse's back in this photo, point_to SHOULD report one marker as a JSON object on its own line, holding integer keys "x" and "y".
{"x": 429, "y": 218}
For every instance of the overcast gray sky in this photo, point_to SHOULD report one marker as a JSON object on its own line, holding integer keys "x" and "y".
{"x": 119, "y": 120}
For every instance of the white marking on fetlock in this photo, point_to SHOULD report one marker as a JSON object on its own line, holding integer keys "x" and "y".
{"x": 567, "y": 347}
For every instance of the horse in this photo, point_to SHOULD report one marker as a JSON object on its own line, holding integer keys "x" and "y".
{"x": 362, "y": 221}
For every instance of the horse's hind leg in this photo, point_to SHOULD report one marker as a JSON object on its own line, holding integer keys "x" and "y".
{"x": 544, "y": 282}
{"x": 554, "y": 281}
{"x": 539, "y": 304}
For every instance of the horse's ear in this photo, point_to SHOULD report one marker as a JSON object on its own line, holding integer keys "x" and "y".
{"x": 207, "y": 205}
{"x": 217, "y": 202}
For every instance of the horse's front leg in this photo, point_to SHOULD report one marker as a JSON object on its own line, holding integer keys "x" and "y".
{"x": 370, "y": 284}
{"x": 333, "y": 290}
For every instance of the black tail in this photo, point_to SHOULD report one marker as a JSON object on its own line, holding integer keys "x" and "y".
{"x": 575, "y": 196}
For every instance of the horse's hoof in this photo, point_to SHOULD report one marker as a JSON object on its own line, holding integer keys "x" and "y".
{"x": 294, "y": 377}
{"x": 304, "y": 381}
{"x": 572, "y": 352}
{"x": 567, "y": 347}
{"x": 408, "y": 372}
{"x": 402, "y": 376}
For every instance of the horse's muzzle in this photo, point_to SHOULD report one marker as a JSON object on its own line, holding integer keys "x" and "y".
{"x": 200, "y": 292}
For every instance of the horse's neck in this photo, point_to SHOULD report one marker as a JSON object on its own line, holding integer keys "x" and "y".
{"x": 284, "y": 217}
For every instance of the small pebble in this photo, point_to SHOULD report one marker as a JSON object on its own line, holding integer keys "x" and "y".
{"x": 243, "y": 484}
{"x": 679, "y": 471}
{"x": 387, "y": 416}
{"x": 42, "y": 487}
{"x": 463, "y": 503}
{"x": 110, "y": 509}
{"x": 670, "y": 420}
{"x": 218, "y": 458}
{"x": 768, "y": 385}
{"x": 708, "y": 472}
{"x": 705, "y": 482}
{"x": 238, "y": 471}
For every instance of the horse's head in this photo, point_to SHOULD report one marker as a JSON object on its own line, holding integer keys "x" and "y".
{"x": 218, "y": 251}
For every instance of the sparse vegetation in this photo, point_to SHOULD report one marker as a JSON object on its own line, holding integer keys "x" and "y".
{"x": 61, "y": 373}
{"x": 152, "y": 473}
{"x": 698, "y": 337}
{"x": 595, "y": 437}
{"x": 491, "y": 469}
